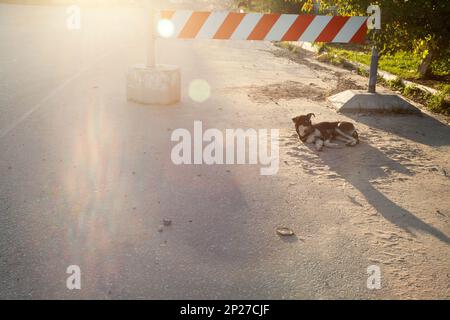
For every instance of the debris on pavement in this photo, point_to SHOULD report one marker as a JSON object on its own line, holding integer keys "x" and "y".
{"x": 439, "y": 212}
{"x": 285, "y": 232}
{"x": 167, "y": 222}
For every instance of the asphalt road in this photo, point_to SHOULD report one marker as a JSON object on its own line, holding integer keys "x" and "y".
{"x": 86, "y": 177}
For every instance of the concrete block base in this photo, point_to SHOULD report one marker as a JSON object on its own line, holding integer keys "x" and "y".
{"x": 356, "y": 101}
{"x": 156, "y": 85}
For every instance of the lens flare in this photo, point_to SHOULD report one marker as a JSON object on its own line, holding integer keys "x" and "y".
{"x": 199, "y": 90}
{"x": 165, "y": 28}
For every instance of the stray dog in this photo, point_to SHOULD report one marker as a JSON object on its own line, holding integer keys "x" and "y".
{"x": 322, "y": 133}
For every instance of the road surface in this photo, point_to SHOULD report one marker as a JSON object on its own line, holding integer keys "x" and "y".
{"x": 87, "y": 178}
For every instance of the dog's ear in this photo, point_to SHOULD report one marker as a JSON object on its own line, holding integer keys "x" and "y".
{"x": 309, "y": 115}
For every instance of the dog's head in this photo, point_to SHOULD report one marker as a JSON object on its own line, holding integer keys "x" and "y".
{"x": 303, "y": 124}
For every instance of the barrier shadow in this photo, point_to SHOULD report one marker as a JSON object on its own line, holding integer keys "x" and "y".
{"x": 423, "y": 128}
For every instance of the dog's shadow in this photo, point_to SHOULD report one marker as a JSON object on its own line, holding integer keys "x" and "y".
{"x": 362, "y": 166}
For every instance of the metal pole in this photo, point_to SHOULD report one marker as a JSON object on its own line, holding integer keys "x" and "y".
{"x": 373, "y": 70}
{"x": 151, "y": 47}
{"x": 316, "y": 6}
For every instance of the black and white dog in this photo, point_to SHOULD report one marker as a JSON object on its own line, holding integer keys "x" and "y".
{"x": 321, "y": 134}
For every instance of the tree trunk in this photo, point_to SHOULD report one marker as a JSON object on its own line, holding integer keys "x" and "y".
{"x": 425, "y": 65}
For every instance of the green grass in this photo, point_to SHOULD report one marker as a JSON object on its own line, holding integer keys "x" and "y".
{"x": 440, "y": 102}
{"x": 402, "y": 64}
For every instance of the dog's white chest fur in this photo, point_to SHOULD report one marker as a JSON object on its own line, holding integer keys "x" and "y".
{"x": 313, "y": 136}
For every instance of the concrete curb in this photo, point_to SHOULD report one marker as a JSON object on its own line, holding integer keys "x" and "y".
{"x": 359, "y": 101}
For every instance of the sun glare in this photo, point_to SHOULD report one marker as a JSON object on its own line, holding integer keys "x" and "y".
{"x": 199, "y": 90}
{"x": 165, "y": 28}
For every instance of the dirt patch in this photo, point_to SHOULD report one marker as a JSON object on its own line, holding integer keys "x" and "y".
{"x": 345, "y": 84}
{"x": 287, "y": 90}
{"x": 292, "y": 89}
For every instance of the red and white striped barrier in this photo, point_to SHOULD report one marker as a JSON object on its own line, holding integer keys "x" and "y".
{"x": 269, "y": 27}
